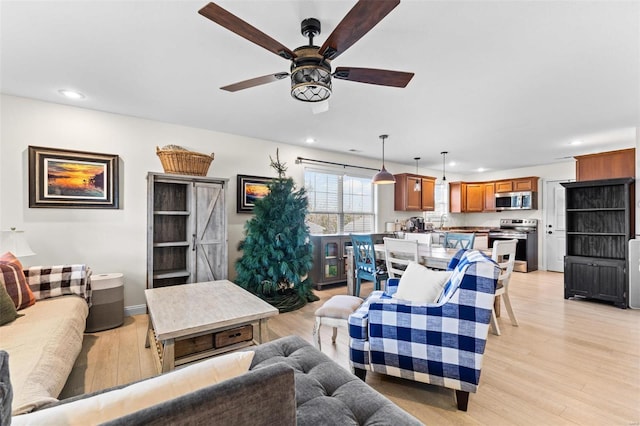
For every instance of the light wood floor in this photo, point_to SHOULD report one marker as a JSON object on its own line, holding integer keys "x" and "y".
{"x": 569, "y": 361}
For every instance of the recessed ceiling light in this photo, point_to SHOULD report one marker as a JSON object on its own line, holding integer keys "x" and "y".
{"x": 71, "y": 94}
{"x": 575, "y": 142}
{"x": 481, "y": 169}
{"x": 452, "y": 163}
{"x": 310, "y": 140}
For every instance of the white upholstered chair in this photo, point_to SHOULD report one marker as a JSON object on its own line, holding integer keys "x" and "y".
{"x": 504, "y": 253}
{"x": 398, "y": 253}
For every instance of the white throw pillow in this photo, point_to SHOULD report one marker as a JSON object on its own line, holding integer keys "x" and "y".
{"x": 420, "y": 284}
{"x": 111, "y": 405}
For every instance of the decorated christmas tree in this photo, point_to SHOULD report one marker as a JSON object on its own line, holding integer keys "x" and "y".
{"x": 276, "y": 251}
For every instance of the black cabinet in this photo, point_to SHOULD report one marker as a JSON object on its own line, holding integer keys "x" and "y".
{"x": 599, "y": 224}
{"x": 329, "y": 256}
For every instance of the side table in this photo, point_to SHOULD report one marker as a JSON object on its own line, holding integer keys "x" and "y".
{"x": 107, "y": 308}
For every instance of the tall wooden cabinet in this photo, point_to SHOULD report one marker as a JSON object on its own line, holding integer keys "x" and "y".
{"x": 186, "y": 229}
{"x": 600, "y": 223}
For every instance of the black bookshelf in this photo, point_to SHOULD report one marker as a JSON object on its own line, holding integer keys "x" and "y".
{"x": 599, "y": 225}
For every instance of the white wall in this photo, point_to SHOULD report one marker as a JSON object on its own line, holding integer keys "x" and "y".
{"x": 115, "y": 240}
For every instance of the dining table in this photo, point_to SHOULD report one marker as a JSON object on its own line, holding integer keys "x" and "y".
{"x": 433, "y": 257}
{"x": 429, "y": 256}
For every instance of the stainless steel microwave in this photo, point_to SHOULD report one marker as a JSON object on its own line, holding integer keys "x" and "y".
{"x": 526, "y": 200}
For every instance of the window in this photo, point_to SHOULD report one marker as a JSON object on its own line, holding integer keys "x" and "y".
{"x": 339, "y": 202}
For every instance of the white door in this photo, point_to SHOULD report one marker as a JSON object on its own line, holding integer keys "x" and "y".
{"x": 554, "y": 227}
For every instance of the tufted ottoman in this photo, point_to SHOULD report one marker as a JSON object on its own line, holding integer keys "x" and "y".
{"x": 334, "y": 313}
{"x": 327, "y": 394}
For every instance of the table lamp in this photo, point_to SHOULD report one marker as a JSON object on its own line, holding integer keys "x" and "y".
{"x": 15, "y": 242}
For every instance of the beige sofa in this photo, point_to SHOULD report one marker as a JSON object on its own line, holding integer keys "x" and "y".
{"x": 45, "y": 341}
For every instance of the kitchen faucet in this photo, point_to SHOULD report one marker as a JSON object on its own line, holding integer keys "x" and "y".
{"x": 442, "y": 219}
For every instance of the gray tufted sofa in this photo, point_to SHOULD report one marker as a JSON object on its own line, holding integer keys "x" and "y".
{"x": 325, "y": 393}
{"x": 289, "y": 382}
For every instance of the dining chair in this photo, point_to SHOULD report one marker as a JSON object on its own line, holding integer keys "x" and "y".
{"x": 364, "y": 257}
{"x": 420, "y": 238}
{"x": 459, "y": 240}
{"x": 504, "y": 254}
{"x": 397, "y": 255}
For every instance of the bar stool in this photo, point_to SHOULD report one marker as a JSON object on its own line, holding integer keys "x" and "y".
{"x": 334, "y": 313}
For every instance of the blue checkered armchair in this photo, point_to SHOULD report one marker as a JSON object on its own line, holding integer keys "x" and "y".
{"x": 439, "y": 343}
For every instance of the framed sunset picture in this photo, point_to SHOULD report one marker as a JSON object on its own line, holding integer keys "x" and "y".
{"x": 250, "y": 189}
{"x": 62, "y": 178}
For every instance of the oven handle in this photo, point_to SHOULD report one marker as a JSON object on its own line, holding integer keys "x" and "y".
{"x": 505, "y": 236}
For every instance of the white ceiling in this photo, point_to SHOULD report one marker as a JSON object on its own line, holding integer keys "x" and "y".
{"x": 498, "y": 84}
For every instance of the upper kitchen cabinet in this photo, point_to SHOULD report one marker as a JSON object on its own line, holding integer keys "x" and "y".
{"x": 606, "y": 165}
{"x": 489, "y": 197}
{"x": 414, "y": 192}
{"x": 517, "y": 185}
{"x": 475, "y": 197}
{"x": 471, "y": 197}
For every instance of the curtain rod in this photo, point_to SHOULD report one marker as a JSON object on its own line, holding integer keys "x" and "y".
{"x": 309, "y": 160}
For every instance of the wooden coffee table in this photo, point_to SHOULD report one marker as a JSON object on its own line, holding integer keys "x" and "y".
{"x": 189, "y": 311}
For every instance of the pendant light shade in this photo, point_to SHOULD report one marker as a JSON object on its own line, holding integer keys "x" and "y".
{"x": 444, "y": 157}
{"x": 383, "y": 176}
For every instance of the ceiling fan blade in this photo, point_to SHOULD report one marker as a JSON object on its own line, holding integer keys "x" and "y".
{"x": 374, "y": 76}
{"x": 269, "y": 78}
{"x": 360, "y": 19}
{"x": 231, "y": 22}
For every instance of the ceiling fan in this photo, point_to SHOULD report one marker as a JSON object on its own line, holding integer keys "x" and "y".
{"x": 310, "y": 70}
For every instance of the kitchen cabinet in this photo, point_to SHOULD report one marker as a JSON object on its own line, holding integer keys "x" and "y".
{"x": 414, "y": 192}
{"x": 489, "y": 197}
{"x": 606, "y": 165}
{"x": 504, "y": 186}
{"x": 457, "y": 197}
{"x": 186, "y": 229}
{"x": 517, "y": 185}
{"x": 471, "y": 197}
{"x": 475, "y": 197}
{"x": 428, "y": 194}
{"x": 599, "y": 225}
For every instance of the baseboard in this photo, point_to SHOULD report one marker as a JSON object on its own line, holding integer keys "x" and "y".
{"x": 135, "y": 310}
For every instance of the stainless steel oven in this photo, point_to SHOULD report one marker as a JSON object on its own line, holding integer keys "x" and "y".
{"x": 526, "y": 232}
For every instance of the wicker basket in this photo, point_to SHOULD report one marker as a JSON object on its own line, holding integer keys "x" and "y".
{"x": 184, "y": 162}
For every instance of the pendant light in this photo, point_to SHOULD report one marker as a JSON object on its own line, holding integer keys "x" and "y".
{"x": 416, "y": 186}
{"x": 383, "y": 176}
{"x": 444, "y": 157}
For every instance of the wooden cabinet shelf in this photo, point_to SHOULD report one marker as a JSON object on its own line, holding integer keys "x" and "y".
{"x": 159, "y": 275}
{"x": 599, "y": 225}
{"x": 187, "y": 229}
{"x": 172, "y": 244}
{"x": 171, "y": 213}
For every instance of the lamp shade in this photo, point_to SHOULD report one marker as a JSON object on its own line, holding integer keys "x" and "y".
{"x": 383, "y": 177}
{"x": 15, "y": 242}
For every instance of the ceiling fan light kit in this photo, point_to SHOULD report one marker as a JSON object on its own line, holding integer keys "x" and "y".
{"x": 311, "y": 65}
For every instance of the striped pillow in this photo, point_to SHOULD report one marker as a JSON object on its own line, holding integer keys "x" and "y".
{"x": 13, "y": 279}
